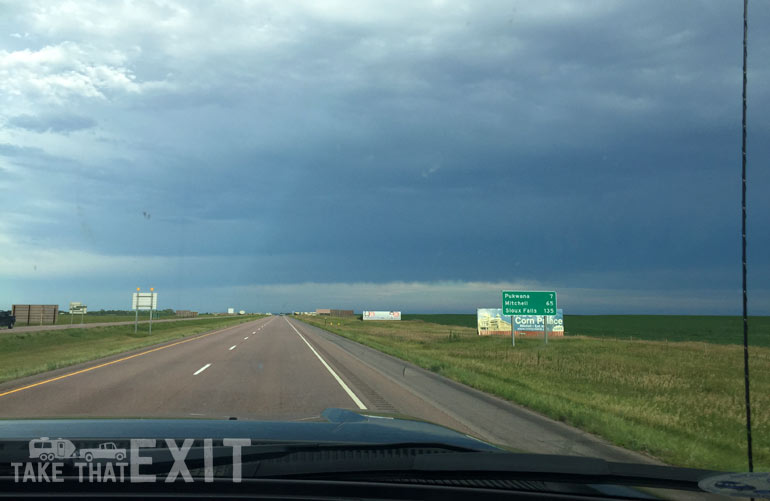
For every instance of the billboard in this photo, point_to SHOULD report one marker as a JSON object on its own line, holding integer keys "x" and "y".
{"x": 533, "y": 324}
{"x": 35, "y": 313}
{"x": 144, "y": 301}
{"x": 78, "y": 308}
{"x": 382, "y": 315}
{"x": 231, "y": 311}
{"x": 491, "y": 321}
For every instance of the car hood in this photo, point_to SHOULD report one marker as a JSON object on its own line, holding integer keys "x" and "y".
{"x": 336, "y": 425}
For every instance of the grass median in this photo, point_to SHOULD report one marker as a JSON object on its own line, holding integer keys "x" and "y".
{"x": 680, "y": 402}
{"x": 27, "y": 353}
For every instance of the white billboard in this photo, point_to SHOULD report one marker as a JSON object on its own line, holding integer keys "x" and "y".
{"x": 231, "y": 311}
{"x": 144, "y": 301}
{"x": 382, "y": 315}
{"x": 534, "y": 323}
{"x": 491, "y": 322}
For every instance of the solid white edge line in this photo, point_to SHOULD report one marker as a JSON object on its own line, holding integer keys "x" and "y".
{"x": 201, "y": 369}
{"x": 233, "y": 347}
{"x": 350, "y": 393}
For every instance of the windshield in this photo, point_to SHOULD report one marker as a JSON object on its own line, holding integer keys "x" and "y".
{"x": 516, "y": 221}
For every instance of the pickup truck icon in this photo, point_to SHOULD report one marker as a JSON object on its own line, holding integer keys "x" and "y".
{"x": 46, "y": 449}
{"x": 107, "y": 450}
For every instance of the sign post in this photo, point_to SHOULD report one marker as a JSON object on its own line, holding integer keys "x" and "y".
{"x": 151, "y": 304}
{"x": 136, "y": 317}
{"x": 144, "y": 301}
{"x": 76, "y": 308}
{"x": 529, "y": 303}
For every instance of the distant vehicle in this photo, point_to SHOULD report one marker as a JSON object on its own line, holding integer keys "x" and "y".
{"x": 7, "y": 319}
{"x": 107, "y": 450}
{"x": 47, "y": 449}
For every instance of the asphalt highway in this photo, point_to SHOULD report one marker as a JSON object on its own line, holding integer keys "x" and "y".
{"x": 278, "y": 368}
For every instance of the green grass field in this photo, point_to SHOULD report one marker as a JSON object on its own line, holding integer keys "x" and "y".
{"x": 709, "y": 329}
{"x": 681, "y": 402}
{"x": 26, "y": 353}
{"x": 458, "y": 319}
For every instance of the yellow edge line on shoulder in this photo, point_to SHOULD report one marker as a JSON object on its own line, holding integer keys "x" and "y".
{"x": 108, "y": 363}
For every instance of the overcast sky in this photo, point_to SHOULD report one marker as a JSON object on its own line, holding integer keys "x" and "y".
{"x": 421, "y": 156}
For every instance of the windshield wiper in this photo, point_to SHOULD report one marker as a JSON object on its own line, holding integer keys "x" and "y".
{"x": 434, "y": 461}
{"x": 358, "y": 463}
{"x": 416, "y": 462}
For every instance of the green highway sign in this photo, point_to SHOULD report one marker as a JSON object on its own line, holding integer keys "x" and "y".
{"x": 529, "y": 303}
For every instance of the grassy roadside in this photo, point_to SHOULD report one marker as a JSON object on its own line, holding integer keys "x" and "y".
{"x": 708, "y": 329}
{"x": 681, "y": 402}
{"x": 27, "y": 353}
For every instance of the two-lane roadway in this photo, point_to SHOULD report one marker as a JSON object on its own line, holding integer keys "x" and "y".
{"x": 279, "y": 368}
{"x": 260, "y": 369}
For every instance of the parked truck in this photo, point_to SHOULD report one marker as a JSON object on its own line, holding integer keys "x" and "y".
{"x": 7, "y": 319}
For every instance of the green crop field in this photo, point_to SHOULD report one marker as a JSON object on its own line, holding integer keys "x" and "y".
{"x": 709, "y": 329}
{"x": 458, "y": 319}
{"x": 681, "y": 402}
{"x": 26, "y": 353}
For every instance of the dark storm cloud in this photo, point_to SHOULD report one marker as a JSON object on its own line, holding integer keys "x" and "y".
{"x": 593, "y": 144}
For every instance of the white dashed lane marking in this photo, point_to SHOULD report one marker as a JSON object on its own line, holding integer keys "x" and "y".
{"x": 202, "y": 369}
